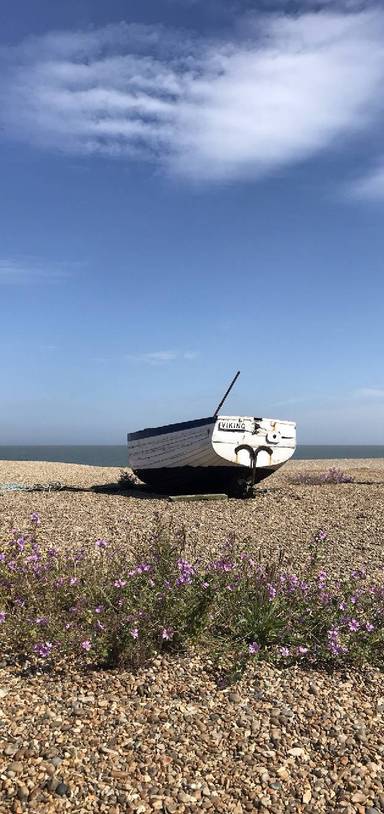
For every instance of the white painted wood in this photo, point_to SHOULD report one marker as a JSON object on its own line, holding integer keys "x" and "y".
{"x": 216, "y": 444}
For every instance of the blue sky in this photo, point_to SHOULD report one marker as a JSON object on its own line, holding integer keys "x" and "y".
{"x": 189, "y": 188}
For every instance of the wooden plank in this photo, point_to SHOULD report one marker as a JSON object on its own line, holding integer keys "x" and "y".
{"x": 190, "y": 498}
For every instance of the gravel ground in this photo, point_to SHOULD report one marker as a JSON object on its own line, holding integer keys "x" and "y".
{"x": 168, "y": 738}
{"x": 282, "y": 516}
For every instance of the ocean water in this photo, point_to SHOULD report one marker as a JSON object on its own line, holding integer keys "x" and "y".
{"x": 117, "y": 455}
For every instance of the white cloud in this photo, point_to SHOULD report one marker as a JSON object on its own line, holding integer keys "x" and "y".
{"x": 21, "y": 272}
{"x": 160, "y": 357}
{"x": 283, "y": 89}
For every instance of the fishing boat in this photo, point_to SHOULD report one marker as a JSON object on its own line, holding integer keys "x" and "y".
{"x": 220, "y": 453}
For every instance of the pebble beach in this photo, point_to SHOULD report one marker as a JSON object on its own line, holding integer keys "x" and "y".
{"x": 168, "y": 738}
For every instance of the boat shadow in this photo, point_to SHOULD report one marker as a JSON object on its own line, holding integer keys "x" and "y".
{"x": 139, "y": 491}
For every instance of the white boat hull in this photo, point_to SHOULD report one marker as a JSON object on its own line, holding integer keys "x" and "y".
{"x": 220, "y": 453}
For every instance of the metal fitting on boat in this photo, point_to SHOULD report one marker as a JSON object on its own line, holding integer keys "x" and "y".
{"x": 273, "y": 437}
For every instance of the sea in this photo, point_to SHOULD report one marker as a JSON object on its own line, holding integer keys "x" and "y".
{"x": 104, "y": 455}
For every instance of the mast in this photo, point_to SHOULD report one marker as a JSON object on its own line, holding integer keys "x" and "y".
{"x": 226, "y": 394}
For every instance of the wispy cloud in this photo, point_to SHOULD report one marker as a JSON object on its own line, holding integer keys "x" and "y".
{"x": 318, "y": 398}
{"x": 160, "y": 357}
{"x": 369, "y": 187}
{"x": 282, "y": 89}
{"x": 369, "y": 393}
{"x": 360, "y": 394}
{"x": 23, "y": 272}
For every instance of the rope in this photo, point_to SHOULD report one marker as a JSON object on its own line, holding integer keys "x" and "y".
{"x": 54, "y": 486}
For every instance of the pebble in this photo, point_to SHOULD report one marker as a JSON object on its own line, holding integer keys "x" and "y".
{"x": 359, "y": 797}
{"x": 62, "y": 790}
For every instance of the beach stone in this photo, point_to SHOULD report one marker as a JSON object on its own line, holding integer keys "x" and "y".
{"x": 62, "y": 790}
{"x": 16, "y": 766}
{"x": 359, "y": 797}
{"x": 10, "y": 749}
{"x": 23, "y": 792}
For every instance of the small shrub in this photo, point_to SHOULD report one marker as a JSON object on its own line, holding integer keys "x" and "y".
{"x": 97, "y": 607}
{"x": 332, "y": 475}
{"x": 335, "y": 475}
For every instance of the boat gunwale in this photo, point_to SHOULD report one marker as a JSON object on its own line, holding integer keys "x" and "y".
{"x": 166, "y": 428}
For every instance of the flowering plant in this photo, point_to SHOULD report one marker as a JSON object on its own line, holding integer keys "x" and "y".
{"x": 98, "y": 606}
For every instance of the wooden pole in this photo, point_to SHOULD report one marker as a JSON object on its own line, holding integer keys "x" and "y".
{"x": 227, "y": 393}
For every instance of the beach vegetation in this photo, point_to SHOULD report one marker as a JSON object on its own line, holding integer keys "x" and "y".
{"x": 98, "y": 606}
{"x": 331, "y": 475}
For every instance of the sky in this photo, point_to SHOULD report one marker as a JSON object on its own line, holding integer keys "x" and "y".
{"x": 189, "y": 188}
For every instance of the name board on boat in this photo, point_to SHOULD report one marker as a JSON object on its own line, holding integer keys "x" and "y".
{"x": 232, "y": 426}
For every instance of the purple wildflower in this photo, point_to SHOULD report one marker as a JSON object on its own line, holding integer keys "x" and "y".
{"x": 35, "y": 518}
{"x": 134, "y": 633}
{"x": 101, "y": 544}
{"x": 73, "y": 580}
{"x": 41, "y": 620}
{"x": 253, "y": 648}
{"x": 20, "y": 542}
{"x": 223, "y": 565}
{"x": 369, "y": 627}
{"x": 353, "y": 625}
{"x": 142, "y": 568}
{"x": 2, "y": 616}
{"x": 271, "y": 592}
{"x": 167, "y": 633}
{"x": 86, "y": 644}
{"x": 99, "y": 625}
{"x": 120, "y": 583}
{"x": 285, "y": 652}
{"x": 43, "y": 649}
{"x": 99, "y": 609}
{"x": 359, "y": 573}
{"x": 334, "y": 644}
{"x": 302, "y": 650}
{"x": 186, "y": 571}
{"x": 293, "y": 582}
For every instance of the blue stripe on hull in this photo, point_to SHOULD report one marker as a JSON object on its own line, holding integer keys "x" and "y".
{"x": 184, "y": 425}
